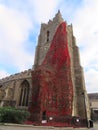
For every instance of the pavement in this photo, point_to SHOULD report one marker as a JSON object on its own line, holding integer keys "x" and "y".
{"x": 95, "y": 126}
{"x": 31, "y": 127}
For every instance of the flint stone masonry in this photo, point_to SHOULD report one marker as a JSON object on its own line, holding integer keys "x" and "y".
{"x": 80, "y": 99}
{"x": 9, "y": 88}
{"x": 17, "y": 76}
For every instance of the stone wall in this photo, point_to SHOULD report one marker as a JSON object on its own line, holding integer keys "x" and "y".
{"x": 10, "y": 87}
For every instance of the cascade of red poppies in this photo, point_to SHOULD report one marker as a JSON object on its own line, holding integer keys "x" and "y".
{"x": 58, "y": 52}
{"x": 52, "y": 82}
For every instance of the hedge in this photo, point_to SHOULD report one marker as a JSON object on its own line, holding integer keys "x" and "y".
{"x": 13, "y": 115}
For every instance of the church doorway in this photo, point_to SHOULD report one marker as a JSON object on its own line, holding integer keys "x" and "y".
{"x": 44, "y": 117}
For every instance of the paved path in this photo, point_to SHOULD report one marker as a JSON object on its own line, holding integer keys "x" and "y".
{"x": 95, "y": 126}
{"x": 30, "y": 127}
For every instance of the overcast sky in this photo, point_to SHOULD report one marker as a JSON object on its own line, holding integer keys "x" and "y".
{"x": 20, "y": 25}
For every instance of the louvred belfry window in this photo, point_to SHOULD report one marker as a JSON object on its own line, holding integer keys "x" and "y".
{"x": 48, "y": 33}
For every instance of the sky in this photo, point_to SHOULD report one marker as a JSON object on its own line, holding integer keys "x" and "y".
{"x": 20, "y": 22}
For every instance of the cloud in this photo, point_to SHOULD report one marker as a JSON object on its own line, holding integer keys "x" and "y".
{"x": 19, "y": 20}
{"x": 20, "y": 24}
{"x": 14, "y": 31}
{"x": 85, "y": 25}
{"x": 91, "y": 80}
{"x": 3, "y": 73}
{"x": 43, "y": 9}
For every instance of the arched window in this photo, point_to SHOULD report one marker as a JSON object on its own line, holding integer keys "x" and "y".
{"x": 24, "y": 93}
{"x": 48, "y": 33}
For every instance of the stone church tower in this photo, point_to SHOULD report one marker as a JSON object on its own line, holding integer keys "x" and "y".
{"x": 54, "y": 90}
{"x": 79, "y": 101}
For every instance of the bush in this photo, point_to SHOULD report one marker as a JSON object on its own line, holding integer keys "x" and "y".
{"x": 12, "y": 115}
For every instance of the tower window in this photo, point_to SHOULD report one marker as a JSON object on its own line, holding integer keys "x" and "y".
{"x": 24, "y": 94}
{"x": 48, "y": 33}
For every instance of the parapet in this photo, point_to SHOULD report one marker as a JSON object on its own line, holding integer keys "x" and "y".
{"x": 24, "y": 74}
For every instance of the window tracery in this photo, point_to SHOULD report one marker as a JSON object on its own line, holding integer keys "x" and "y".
{"x": 24, "y": 94}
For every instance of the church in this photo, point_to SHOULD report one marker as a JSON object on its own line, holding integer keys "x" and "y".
{"x": 54, "y": 89}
